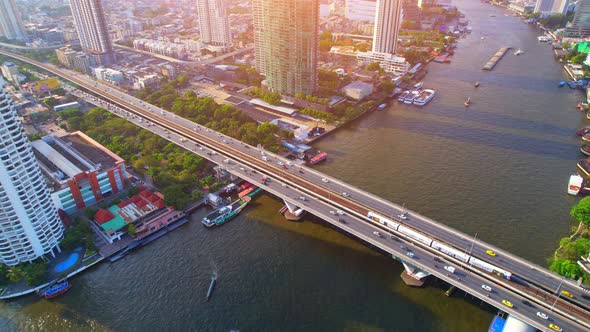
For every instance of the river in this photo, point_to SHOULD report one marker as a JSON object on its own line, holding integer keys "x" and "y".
{"x": 498, "y": 169}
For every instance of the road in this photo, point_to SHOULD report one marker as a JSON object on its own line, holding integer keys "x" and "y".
{"x": 357, "y": 203}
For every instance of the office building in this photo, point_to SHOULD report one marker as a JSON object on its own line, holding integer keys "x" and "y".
{"x": 288, "y": 43}
{"x": 213, "y": 23}
{"x": 92, "y": 29}
{"x": 11, "y": 25}
{"x": 10, "y": 72}
{"x": 580, "y": 25}
{"x": 551, "y": 7}
{"x": 81, "y": 170}
{"x": 388, "y": 19}
{"x": 360, "y": 10}
{"x": 29, "y": 223}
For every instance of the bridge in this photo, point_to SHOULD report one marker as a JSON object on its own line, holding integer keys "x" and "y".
{"x": 423, "y": 245}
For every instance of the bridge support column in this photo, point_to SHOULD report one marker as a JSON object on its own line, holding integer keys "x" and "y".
{"x": 292, "y": 211}
{"x": 412, "y": 275}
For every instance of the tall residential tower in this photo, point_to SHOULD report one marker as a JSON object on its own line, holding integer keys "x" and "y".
{"x": 286, "y": 39}
{"x": 388, "y": 19}
{"x": 213, "y": 23}
{"x": 92, "y": 29}
{"x": 11, "y": 25}
{"x": 29, "y": 224}
{"x": 580, "y": 25}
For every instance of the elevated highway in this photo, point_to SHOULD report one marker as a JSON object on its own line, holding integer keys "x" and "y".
{"x": 322, "y": 195}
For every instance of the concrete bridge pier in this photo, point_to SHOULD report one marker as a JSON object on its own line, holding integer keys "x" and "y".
{"x": 412, "y": 275}
{"x": 292, "y": 212}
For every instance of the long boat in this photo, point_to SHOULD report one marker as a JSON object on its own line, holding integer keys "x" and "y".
{"x": 225, "y": 213}
{"x": 55, "y": 290}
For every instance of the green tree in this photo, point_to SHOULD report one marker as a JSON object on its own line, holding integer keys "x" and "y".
{"x": 273, "y": 98}
{"x": 35, "y": 273}
{"x": 14, "y": 273}
{"x": 581, "y": 211}
{"x": 176, "y": 197}
{"x": 374, "y": 66}
{"x": 131, "y": 230}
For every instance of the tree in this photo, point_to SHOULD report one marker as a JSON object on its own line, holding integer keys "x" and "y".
{"x": 131, "y": 230}
{"x": 273, "y": 98}
{"x": 581, "y": 211}
{"x": 14, "y": 274}
{"x": 387, "y": 87}
{"x": 175, "y": 196}
{"x": 374, "y": 66}
{"x": 35, "y": 273}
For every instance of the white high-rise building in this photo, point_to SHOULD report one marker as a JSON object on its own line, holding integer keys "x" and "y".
{"x": 551, "y": 7}
{"x": 579, "y": 27}
{"x": 213, "y": 23}
{"x": 92, "y": 29}
{"x": 388, "y": 20}
{"x": 29, "y": 223}
{"x": 360, "y": 10}
{"x": 11, "y": 25}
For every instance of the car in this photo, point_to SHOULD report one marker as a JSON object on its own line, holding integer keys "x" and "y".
{"x": 542, "y": 315}
{"x": 302, "y": 198}
{"x": 377, "y": 233}
{"x": 486, "y": 287}
{"x": 527, "y": 303}
{"x": 325, "y": 180}
{"x": 289, "y": 163}
{"x": 410, "y": 254}
{"x": 555, "y": 327}
{"x": 342, "y": 220}
{"x": 403, "y": 216}
{"x": 332, "y": 212}
{"x": 340, "y": 212}
{"x": 284, "y": 185}
{"x": 568, "y": 294}
{"x": 395, "y": 238}
{"x": 490, "y": 252}
{"x": 345, "y": 194}
{"x": 507, "y": 303}
{"x": 281, "y": 163}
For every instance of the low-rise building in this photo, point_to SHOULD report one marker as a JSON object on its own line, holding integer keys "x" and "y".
{"x": 390, "y": 63}
{"x": 10, "y": 72}
{"x": 81, "y": 170}
{"x": 357, "y": 90}
{"x": 108, "y": 75}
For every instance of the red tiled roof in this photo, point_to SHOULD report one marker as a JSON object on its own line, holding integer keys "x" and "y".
{"x": 160, "y": 204}
{"x": 103, "y": 216}
{"x": 123, "y": 204}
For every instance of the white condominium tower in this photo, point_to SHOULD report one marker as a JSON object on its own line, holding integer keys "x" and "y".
{"x": 286, "y": 40}
{"x": 11, "y": 25}
{"x": 388, "y": 18}
{"x": 29, "y": 223}
{"x": 213, "y": 23}
{"x": 92, "y": 29}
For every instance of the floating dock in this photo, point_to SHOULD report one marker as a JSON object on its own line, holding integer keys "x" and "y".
{"x": 495, "y": 59}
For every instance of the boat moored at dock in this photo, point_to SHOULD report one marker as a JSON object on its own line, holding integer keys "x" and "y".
{"x": 55, "y": 290}
{"x": 575, "y": 184}
{"x": 585, "y": 149}
{"x": 403, "y": 96}
{"x": 411, "y": 97}
{"x": 224, "y": 213}
{"x": 425, "y": 96}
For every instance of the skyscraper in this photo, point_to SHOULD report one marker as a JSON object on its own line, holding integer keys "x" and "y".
{"x": 388, "y": 19}
{"x": 11, "y": 25}
{"x": 551, "y": 7}
{"x": 213, "y": 23}
{"x": 286, "y": 40}
{"x": 580, "y": 25}
{"x": 360, "y": 10}
{"x": 29, "y": 224}
{"x": 92, "y": 29}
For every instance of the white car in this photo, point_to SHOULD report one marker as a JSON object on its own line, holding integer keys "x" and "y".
{"x": 325, "y": 180}
{"x": 345, "y": 194}
{"x": 377, "y": 233}
{"x": 486, "y": 287}
{"x": 403, "y": 216}
{"x": 340, "y": 212}
{"x": 302, "y": 198}
{"x": 542, "y": 315}
{"x": 332, "y": 212}
{"x": 281, "y": 163}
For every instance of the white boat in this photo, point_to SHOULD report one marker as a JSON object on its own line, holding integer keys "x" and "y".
{"x": 410, "y": 98}
{"x": 425, "y": 96}
{"x": 403, "y": 96}
{"x": 543, "y": 38}
{"x": 575, "y": 184}
{"x": 467, "y": 102}
{"x": 418, "y": 85}
{"x": 518, "y": 52}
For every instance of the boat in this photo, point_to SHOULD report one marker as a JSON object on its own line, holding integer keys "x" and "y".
{"x": 575, "y": 184}
{"x": 403, "y": 96}
{"x": 318, "y": 158}
{"x": 411, "y": 97}
{"x": 518, "y": 52}
{"x": 544, "y": 39}
{"x": 586, "y": 138}
{"x": 56, "y": 289}
{"x": 441, "y": 59}
{"x": 467, "y": 102}
{"x": 418, "y": 85}
{"x": 583, "y": 131}
{"x": 224, "y": 213}
{"x": 562, "y": 83}
{"x": 583, "y": 167}
{"x": 585, "y": 149}
{"x": 477, "y": 84}
{"x": 425, "y": 96}
{"x": 211, "y": 285}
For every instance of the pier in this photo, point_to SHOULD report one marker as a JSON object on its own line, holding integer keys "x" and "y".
{"x": 495, "y": 59}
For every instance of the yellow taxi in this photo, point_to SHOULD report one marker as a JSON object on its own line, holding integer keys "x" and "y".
{"x": 490, "y": 252}
{"x": 566, "y": 293}
{"x": 555, "y": 327}
{"x": 507, "y": 303}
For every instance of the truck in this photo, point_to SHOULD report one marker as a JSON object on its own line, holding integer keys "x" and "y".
{"x": 450, "y": 268}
